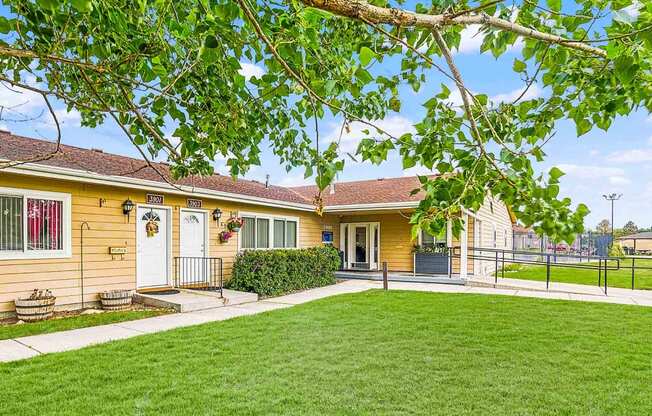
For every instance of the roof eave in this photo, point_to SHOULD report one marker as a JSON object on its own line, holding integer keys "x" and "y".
{"x": 34, "y": 169}
{"x": 372, "y": 206}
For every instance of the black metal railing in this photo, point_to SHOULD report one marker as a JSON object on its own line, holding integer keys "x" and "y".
{"x": 201, "y": 273}
{"x": 500, "y": 258}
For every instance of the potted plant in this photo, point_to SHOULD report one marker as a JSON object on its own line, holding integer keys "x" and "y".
{"x": 36, "y": 307}
{"x": 225, "y": 236}
{"x": 234, "y": 224}
{"x": 431, "y": 259}
{"x": 115, "y": 300}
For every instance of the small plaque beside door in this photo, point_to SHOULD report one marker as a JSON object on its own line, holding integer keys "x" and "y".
{"x": 194, "y": 203}
{"x": 154, "y": 199}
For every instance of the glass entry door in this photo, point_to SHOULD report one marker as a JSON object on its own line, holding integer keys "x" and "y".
{"x": 360, "y": 244}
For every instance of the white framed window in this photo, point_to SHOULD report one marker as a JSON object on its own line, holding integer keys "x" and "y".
{"x": 431, "y": 241}
{"x": 34, "y": 224}
{"x": 264, "y": 231}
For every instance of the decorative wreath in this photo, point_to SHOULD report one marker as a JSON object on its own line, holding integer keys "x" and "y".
{"x": 151, "y": 228}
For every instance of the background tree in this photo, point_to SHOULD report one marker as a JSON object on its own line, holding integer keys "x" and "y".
{"x": 148, "y": 64}
{"x": 630, "y": 228}
{"x": 603, "y": 227}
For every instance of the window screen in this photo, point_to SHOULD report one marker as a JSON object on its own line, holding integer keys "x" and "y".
{"x": 11, "y": 223}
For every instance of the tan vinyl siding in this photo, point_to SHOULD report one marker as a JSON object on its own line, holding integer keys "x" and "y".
{"x": 498, "y": 220}
{"x": 109, "y": 227}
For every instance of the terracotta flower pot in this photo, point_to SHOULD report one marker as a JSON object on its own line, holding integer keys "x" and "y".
{"x": 30, "y": 310}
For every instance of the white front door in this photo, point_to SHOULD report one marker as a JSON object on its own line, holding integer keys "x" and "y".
{"x": 193, "y": 268}
{"x": 361, "y": 245}
{"x": 193, "y": 234}
{"x": 152, "y": 262}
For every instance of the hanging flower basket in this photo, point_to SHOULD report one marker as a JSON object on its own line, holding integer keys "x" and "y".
{"x": 225, "y": 236}
{"x": 37, "y": 307}
{"x": 115, "y": 300}
{"x": 234, "y": 224}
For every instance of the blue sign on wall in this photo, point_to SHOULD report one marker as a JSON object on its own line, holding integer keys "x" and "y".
{"x": 327, "y": 237}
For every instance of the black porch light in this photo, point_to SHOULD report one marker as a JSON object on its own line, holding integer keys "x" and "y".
{"x": 127, "y": 207}
{"x": 217, "y": 214}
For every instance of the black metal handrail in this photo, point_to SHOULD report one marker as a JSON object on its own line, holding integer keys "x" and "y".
{"x": 200, "y": 273}
{"x": 500, "y": 257}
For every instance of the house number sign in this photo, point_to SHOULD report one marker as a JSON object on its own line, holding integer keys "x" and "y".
{"x": 194, "y": 203}
{"x": 155, "y": 199}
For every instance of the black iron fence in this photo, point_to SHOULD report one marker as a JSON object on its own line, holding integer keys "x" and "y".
{"x": 499, "y": 260}
{"x": 201, "y": 273}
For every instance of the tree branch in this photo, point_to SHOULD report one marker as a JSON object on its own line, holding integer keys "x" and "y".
{"x": 359, "y": 9}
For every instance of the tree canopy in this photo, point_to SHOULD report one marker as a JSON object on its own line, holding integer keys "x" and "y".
{"x": 147, "y": 64}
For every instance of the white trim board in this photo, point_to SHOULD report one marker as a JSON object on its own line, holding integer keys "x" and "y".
{"x": 151, "y": 186}
{"x": 66, "y": 200}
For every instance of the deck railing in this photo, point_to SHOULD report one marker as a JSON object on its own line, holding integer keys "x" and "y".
{"x": 200, "y": 273}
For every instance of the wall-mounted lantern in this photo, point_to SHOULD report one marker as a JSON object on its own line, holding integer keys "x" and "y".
{"x": 127, "y": 207}
{"x": 217, "y": 214}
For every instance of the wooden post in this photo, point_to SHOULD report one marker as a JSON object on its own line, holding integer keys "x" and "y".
{"x": 385, "y": 275}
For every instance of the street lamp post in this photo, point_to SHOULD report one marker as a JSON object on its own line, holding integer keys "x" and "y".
{"x": 612, "y": 197}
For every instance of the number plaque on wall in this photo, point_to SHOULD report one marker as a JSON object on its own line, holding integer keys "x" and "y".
{"x": 194, "y": 203}
{"x": 155, "y": 199}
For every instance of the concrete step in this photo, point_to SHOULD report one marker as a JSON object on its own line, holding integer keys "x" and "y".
{"x": 195, "y": 300}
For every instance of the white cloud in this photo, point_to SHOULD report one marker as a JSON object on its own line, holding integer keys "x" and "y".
{"x": 70, "y": 118}
{"x": 248, "y": 70}
{"x": 395, "y": 125}
{"x": 592, "y": 172}
{"x": 619, "y": 180}
{"x": 631, "y": 156}
{"x": 19, "y": 100}
{"x": 632, "y": 11}
{"x": 649, "y": 119}
{"x": 472, "y": 38}
{"x": 455, "y": 97}
{"x": 418, "y": 170}
{"x": 533, "y": 92}
{"x": 295, "y": 180}
{"x": 594, "y": 153}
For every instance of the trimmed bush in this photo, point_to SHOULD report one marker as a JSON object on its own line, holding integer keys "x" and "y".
{"x": 280, "y": 271}
{"x": 616, "y": 250}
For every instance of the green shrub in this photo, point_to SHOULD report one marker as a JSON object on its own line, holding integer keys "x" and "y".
{"x": 275, "y": 272}
{"x": 616, "y": 250}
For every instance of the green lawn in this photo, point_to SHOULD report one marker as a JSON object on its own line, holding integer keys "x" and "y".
{"x": 369, "y": 353}
{"x": 616, "y": 278}
{"x": 74, "y": 322}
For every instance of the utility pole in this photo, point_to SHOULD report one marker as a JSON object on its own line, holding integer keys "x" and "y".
{"x": 612, "y": 197}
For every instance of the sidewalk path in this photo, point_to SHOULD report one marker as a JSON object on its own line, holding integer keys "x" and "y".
{"x": 27, "y": 347}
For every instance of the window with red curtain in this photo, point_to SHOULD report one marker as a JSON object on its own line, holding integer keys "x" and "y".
{"x": 44, "y": 224}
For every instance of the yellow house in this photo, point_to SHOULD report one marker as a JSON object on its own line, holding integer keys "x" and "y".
{"x": 85, "y": 221}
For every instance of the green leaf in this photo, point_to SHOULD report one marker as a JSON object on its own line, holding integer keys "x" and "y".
{"x": 48, "y": 4}
{"x": 82, "y": 6}
{"x": 366, "y": 55}
{"x": 519, "y": 66}
{"x": 211, "y": 42}
{"x": 556, "y": 173}
{"x": 554, "y": 5}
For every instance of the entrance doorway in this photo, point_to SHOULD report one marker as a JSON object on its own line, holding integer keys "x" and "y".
{"x": 152, "y": 246}
{"x": 360, "y": 245}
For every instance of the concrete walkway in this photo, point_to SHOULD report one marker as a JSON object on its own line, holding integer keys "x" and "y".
{"x": 27, "y": 347}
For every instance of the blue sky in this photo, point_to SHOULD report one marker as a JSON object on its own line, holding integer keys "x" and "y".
{"x": 597, "y": 163}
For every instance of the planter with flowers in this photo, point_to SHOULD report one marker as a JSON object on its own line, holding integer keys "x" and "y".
{"x": 37, "y": 307}
{"x": 234, "y": 224}
{"x": 225, "y": 236}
